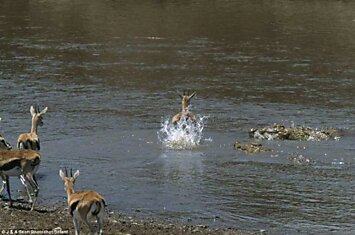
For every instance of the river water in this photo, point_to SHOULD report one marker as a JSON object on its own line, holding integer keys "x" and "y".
{"x": 108, "y": 71}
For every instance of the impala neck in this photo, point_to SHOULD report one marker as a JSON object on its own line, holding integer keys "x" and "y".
{"x": 70, "y": 191}
{"x": 34, "y": 125}
{"x": 184, "y": 105}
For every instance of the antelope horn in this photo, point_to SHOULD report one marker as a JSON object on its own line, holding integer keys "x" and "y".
{"x": 71, "y": 172}
{"x": 192, "y": 95}
{"x": 179, "y": 93}
{"x": 36, "y": 108}
{"x": 66, "y": 171}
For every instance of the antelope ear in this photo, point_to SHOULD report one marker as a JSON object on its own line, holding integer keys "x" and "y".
{"x": 32, "y": 110}
{"x": 61, "y": 174}
{"x": 192, "y": 95}
{"x": 76, "y": 174}
{"x": 43, "y": 111}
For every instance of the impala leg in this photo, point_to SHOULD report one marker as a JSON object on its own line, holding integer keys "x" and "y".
{"x": 30, "y": 179}
{"x": 3, "y": 185}
{"x": 8, "y": 189}
{"x": 33, "y": 182}
{"x": 36, "y": 184}
{"x": 91, "y": 227}
{"x": 76, "y": 223}
{"x": 33, "y": 203}
{"x": 23, "y": 181}
{"x": 35, "y": 187}
{"x": 100, "y": 223}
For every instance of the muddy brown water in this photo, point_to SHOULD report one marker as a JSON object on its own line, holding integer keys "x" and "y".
{"x": 108, "y": 71}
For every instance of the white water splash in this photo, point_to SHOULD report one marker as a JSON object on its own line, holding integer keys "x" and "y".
{"x": 186, "y": 134}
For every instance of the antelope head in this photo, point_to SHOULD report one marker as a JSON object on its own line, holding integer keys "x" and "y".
{"x": 69, "y": 180}
{"x": 37, "y": 116}
{"x": 185, "y": 102}
{"x": 4, "y": 145}
{"x": 185, "y": 99}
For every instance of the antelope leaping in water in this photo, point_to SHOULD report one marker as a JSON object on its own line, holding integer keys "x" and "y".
{"x": 185, "y": 103}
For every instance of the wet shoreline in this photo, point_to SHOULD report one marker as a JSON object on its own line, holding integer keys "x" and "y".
{"x": 55, "y": 219}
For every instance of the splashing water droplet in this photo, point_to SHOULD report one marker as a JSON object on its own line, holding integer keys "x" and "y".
{"x": 186, "y": 134}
